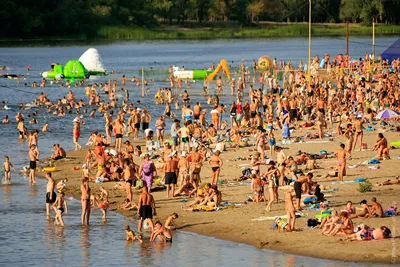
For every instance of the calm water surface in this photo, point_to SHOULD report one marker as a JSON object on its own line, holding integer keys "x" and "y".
{"x": 26, "y": 238}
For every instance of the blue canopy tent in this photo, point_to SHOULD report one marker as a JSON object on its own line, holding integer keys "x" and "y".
{"x": 393, "y": 52}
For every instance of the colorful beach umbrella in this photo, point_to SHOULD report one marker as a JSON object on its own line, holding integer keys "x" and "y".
{"x": 28, "y": 67}
{"x": 387, "y": 114}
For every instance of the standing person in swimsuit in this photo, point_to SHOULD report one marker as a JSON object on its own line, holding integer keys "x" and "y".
{"x": 341, "y": 157}
{"x": 77, "y": 133}
{"x": 160, "y": 125}
{"x": 7, "y": 165}
{"x": 50, "y": 194}
{"x": 118, "y": 128}
{"x": 148, "y": 171}
{"x": 273, "y": 180}
{"x": 183, "y": 166}
{"x": 146, "y": 119}
{"x": 358, "y": 124}
{"x": 108, "y": 126}
{"x": 128, "y": 179}
{"x": 216, "y": 164}
{"x": 146, "y": 209}
{"x": 291, "y": 215}
{"x": 184, "y": 133}
{"x": 33, "y": 158}
{"x": 171, "y": 173}
{"x": 85, "y": 200}
{"x": 260, "y": 143}
{"x": 196, "y": 164}
{"x": 298, "y": 187}
{"x": 136, "y": 123}
{"x": 59, "y": 205}
{"x": 197, "y": 111}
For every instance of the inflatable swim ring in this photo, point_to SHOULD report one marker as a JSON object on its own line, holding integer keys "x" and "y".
{"x": 49, "y": 169}
{"x": 322, "y": 215}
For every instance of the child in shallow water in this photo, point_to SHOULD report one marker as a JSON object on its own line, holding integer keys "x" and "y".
{"x": 130, "y": 235}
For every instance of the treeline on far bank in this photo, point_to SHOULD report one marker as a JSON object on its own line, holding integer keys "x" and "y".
{"x": 164, "y": 19}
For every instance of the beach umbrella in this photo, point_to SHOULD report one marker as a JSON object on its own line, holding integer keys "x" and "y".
{"x": 387, "y": 114}
{"x": 28, "y": 67}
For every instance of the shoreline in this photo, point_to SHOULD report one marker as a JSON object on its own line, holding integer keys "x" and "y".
{"x": 236, "y": 225}
{"x": 210, "y": 32}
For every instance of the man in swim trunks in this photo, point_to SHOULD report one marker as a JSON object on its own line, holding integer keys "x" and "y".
{"x": 171, "y": 173}
{"x": 118, "y": 128}
{"x": 136, "y": 123}
{"x": 128, "y": 179}
{"x": 162, "y": 233}
{"x": 50, "y": 194}
{"x": 33, "y": 158}
{"x": 146, "y": 209}
{"x": 184, "y": 133}
{"x": 376, "y": 209}
{"x": 197, "y": 111}
{"x": 298, "y": 187}
{"x": 196, "y": 164}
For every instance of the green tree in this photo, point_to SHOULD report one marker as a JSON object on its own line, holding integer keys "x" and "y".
{"x": 255, "y": 9}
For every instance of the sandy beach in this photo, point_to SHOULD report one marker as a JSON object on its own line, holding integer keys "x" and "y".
{"x": 236, "y": 223}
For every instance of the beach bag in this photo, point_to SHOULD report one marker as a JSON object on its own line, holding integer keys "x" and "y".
{"x": 312, "y": 223}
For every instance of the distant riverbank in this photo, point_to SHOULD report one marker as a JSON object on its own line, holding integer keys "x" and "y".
{"x": 264, "y": 30}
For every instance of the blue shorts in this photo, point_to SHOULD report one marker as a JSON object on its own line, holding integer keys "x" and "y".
{"x": 175, "y": 138}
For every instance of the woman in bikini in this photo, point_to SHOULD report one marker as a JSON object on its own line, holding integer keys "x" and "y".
{"x": 216, "y": 164}
{"x": 272, "y": 175}
{"x": 345, "y": 226}
{"x": 85, "y": 200}
{"x": 260, "y": 143}
{"x": 328, "y": 223}
{"x": 160, "y": 125}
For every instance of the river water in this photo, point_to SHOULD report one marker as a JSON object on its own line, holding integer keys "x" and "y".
{"x": 25, "y": 235}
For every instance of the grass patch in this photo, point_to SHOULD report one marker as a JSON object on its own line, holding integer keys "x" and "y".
{"x": 292, "y": 30}
{"x": 365, "y": 187}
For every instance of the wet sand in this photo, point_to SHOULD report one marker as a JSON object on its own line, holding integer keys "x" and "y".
{"x": 235, "y": 224}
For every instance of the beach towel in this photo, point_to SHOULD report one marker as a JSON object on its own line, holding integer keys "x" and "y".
{"x": 392, "y": 211}
{"x": 271, "y": 218}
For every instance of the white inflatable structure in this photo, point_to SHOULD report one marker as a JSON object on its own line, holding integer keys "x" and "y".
{"x": 92, "y": 61}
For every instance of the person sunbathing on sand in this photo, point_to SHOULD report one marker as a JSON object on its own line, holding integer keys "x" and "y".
{"x": 368, "y": 233}
{"x": 128, "y": 205}
{"x": 390, "y": 182}
{"x": 186, "y": 189}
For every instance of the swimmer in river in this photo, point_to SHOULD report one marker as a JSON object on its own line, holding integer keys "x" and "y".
{"x": 7, "y": 165}
{"x": 59, "y": 205}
